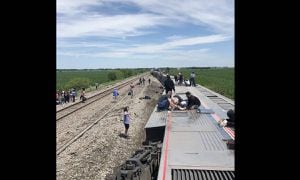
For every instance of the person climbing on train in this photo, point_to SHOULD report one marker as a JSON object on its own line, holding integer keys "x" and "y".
{"x": 163, "y": 102}
{"x": 167, "y": 102}
{"x": 175, "y": 104}
{"x": 169, "y": 84}
{"x": 229, "y": 122}
{"x": 193, "y": 101}
{"x": 126, "y": 118}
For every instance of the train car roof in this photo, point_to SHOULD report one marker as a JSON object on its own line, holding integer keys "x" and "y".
{"x": 193, "y": 141}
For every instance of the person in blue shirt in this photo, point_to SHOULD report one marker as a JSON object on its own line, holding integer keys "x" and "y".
{"x": 115, "y": 93}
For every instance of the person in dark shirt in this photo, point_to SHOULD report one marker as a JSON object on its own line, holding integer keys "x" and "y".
{"x": 229, "y": 122}
{"x": 193, "y": 101}
{"x": 169, "y": 84}
{"x": 176, "y": 78}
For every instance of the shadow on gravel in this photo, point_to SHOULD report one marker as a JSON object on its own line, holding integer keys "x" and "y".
{"x": 122, "y": 135}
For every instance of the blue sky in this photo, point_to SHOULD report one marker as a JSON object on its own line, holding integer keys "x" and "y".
{"x": 95, "y": 34}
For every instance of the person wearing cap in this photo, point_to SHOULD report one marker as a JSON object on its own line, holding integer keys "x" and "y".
{"x": 193, "y": 101}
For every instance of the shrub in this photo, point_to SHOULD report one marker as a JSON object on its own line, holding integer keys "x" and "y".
{"x": 78, "y": 83}
{"x": 112, "y": 76}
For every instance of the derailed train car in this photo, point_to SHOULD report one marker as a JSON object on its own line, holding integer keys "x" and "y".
{"x": 143, "y": 164}
{"x": 188, "y": 144}
{"x": 159, "y": 75}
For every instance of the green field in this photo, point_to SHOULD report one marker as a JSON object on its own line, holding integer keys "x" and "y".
{"x": 63, "y": 77}
{"x": 220, "y": 80}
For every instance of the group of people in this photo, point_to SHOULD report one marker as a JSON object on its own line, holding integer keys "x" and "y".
{"x": 63, "y": 97}
{"x": 175, "y": 102}
{"x": 142, "y": 81}
{"x": 179, "y": 79}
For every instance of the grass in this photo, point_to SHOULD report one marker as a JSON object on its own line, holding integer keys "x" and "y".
{"x": 220, "y": 80}
{"x": 95, "y": 76}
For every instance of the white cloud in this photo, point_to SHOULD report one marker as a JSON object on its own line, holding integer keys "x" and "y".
{"x": 71, "y": 7}
{"x": 76, "y": 25}
{"x": 174, "y": 37}
{"x": 167, "y": 48}
{"x": 109, "y": 26}
{"x": 217, "y": 14}
{"x": 155, "y": 48}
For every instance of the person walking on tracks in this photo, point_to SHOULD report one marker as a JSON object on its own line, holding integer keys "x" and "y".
{"x": 82, "y": 95}
{"x": 143, "y": 81}
{"x": 73, "y": 94}
{"x": 115, "y": 93}
{"x": 126, "y": 119}
{"x": 131, "y": 90}
{"x": 169, "y": 84}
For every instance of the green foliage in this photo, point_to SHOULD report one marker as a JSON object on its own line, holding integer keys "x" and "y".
{"x": 77, "y": 83}
{"x": 112, "y": 76}
{"x": 167, "y": 70}
{"x": 126, "y": 73}
{"x": 100, "y": 76}
{"x": 220, "y": 80}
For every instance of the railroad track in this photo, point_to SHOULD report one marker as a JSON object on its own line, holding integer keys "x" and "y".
{"x": 79, "y": 105}
{"x": 105, "y": 114}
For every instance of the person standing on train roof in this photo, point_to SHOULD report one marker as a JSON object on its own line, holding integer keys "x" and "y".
{"x": 180, "y": 79}
{"x": 192, "y": 79}
{"x": 149, "y": 81}
{"x": 126, "y": 119}
{"x": 115, "y": 93}
{"x": 169, "y": 84}
{"x": 175, "y": 77}
{"x": 193, "y": 101}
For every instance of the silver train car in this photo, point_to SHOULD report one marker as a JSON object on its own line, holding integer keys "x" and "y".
{"x": 185, "y": 145}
